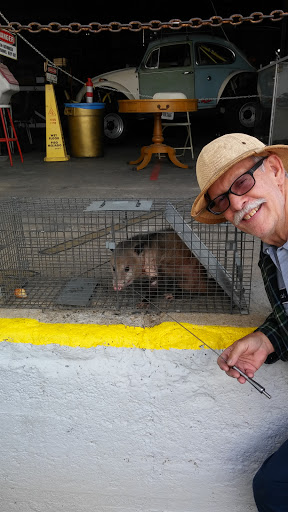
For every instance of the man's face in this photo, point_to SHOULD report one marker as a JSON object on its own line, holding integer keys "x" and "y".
{"x": 260, "y": 211}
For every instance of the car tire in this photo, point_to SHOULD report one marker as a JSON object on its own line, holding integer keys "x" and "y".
{"x": 115, "y": 127}
{"x": 243, "y": 116}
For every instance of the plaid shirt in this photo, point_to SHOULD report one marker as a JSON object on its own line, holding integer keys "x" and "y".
{"x": 275, "y": 326}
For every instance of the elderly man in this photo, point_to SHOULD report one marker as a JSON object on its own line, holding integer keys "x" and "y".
{"x": 245, "y": 182}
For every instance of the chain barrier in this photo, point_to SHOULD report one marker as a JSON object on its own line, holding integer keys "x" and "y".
{"x": 136, "y": 26}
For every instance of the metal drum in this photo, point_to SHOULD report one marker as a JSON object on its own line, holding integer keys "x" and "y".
{"x": 85, "y": 124}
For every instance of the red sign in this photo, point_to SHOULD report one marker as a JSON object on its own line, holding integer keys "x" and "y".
{"x": 7, "y": 37}
{"x": 52, "y": 70}
{"x": 8, "y": 44}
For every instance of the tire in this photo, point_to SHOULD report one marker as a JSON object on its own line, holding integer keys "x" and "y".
{"x": 115, "y": 128}
{"x": 248, "y": 114}
{"x": 243, "y": 116}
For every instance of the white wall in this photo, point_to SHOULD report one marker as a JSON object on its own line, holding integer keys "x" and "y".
{"x": 131, "y": 430}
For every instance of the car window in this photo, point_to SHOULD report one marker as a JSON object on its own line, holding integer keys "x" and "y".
{"x": 153, "y": 59}
{"x": 174, "y": 55}
{"x": 213, "y": 54}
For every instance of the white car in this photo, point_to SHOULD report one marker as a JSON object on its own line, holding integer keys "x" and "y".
{"x": 208, "y": 68}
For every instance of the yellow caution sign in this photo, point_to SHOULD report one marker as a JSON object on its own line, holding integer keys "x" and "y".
{"x": 55, "y": 145}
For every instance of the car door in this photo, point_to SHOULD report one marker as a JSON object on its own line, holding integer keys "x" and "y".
{"x": 167, "y": 68}
{"x": 213, "y": 64}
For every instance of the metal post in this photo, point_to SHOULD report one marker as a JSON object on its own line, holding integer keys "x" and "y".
{"x": 273, "y": 108}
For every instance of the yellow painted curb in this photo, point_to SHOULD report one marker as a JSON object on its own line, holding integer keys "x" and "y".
{"x": 160, "y": 337}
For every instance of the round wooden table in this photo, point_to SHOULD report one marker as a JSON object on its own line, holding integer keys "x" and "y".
{"x": 157, "y": 107}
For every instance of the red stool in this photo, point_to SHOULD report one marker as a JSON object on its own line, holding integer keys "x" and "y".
{"x": 6, "y": 109}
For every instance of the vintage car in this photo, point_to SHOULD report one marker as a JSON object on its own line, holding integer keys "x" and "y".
{"x": 208, "y": 68}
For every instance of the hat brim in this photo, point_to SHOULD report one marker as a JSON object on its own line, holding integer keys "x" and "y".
{"x": 199, "y": 211}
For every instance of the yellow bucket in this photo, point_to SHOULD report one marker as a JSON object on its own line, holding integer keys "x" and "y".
{"x": 85, "y": 125}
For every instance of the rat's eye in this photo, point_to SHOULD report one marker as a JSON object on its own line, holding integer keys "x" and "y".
{"x": 127, "y": 269}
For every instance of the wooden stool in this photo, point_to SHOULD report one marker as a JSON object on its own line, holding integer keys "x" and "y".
{"x": 3, "y": 110}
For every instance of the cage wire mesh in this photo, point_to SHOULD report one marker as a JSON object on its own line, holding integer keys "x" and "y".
{"x": 120, "y": 254}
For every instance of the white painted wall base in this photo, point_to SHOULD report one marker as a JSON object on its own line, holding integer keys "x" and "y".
{"x": 131, "y": 430}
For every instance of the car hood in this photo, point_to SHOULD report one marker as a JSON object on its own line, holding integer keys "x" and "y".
{"x": 126, "y": 77}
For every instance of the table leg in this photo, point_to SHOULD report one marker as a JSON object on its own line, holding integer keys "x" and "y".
{"x": 146, "y": 154}
{"x": 142, "y": 155}
{"x": 147, "y": 157}
{"x": 157, "y": 129}
{"x": 157, "y": 147}
{"x": 172, "y": 155}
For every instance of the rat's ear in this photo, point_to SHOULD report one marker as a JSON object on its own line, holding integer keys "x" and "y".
{"x": 139, "y": 248}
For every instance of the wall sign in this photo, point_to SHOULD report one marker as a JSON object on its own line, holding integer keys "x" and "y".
{"x": 8, "y": 44}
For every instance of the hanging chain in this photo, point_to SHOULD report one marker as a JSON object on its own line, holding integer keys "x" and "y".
{"x": 136, "y": 26}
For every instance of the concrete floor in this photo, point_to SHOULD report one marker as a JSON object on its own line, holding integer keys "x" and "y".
{"x": 107, "y": 176}
{"x": 111, "y": 176}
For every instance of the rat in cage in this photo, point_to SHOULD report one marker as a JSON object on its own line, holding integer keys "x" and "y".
{"x": 162, "y": 258}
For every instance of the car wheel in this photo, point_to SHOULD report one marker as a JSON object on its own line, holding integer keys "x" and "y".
{"x": 115, "y": 127}
{"x": 244, "y": 116}
{"x": 248, "y": 114}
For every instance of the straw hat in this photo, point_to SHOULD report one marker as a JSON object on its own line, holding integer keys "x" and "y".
{"x": 217, "y": 157}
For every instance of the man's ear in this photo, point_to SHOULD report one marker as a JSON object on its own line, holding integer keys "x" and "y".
{"x": 276, "y": 166}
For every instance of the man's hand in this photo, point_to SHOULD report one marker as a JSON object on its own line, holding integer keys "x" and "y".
{"x": 248, "y": 353}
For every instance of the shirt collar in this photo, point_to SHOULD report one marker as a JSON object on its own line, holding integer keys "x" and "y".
{"x": 266, "y": 248}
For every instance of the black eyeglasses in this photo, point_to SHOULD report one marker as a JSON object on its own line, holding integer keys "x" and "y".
{"x": 239, "y": 187}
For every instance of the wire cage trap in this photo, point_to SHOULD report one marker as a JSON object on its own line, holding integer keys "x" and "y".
{"x": 120, "y": 255}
